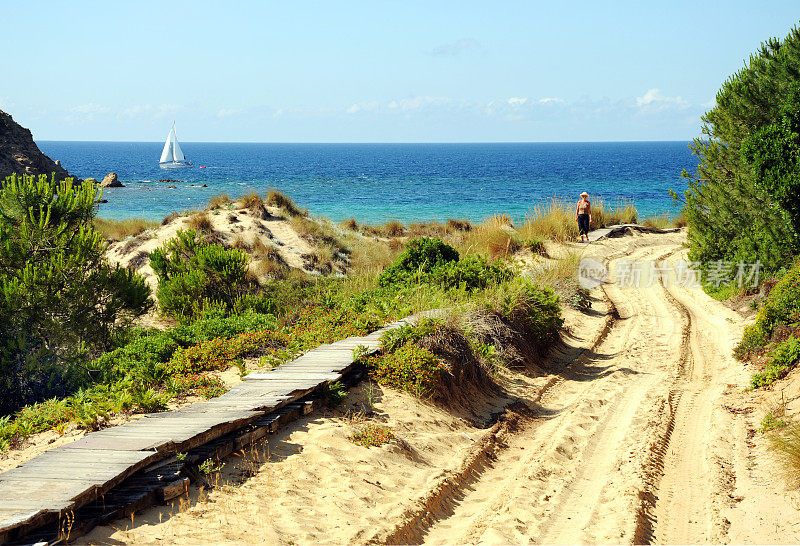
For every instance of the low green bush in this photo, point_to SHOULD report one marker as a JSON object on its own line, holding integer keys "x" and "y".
{"x": 782, "y": 360}
{"x": 537, "y": 308}
{"x": 393, "y": 339}
{"x": 315, "y": 325}
{"x": 432, "y": 261}
{"x": 781, "y": 308}
{"x": 372, "y": 435}
{"x": 471, "y": 273}
{"x": 420, "y": 256}
{"x": 410, "y": 368}
{"x": 221, "y": 353}
{"x": 195, "y": 276}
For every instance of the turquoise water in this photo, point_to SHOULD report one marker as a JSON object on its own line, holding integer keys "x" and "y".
{"x": 379, "y": 182}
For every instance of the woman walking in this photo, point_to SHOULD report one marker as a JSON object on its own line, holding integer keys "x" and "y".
{"x": 583, "y": 214}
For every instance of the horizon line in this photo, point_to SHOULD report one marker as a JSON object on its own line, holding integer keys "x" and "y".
{"x": 371, "y": 141}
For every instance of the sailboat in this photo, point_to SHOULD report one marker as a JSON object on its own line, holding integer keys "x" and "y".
{"x": 172, "y": 155}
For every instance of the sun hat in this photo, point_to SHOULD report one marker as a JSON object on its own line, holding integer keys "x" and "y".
{"x": 584, "y": 193}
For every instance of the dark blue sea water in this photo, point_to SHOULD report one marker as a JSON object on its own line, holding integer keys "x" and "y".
{"x": 379, "y": 182}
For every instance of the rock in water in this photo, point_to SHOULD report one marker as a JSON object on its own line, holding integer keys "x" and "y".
{"x": 111, "y": 181}
{"x": 19, "y": 153}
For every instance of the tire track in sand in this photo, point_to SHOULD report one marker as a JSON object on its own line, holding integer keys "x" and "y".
{"x": 684, "y": 511}
{"x": 550, "y": 491}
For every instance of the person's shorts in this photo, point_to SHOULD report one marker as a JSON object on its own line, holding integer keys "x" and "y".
{"x": 583, "y": 224}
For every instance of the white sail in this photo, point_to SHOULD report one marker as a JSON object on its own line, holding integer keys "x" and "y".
{"x": 166, "y": 154}
{"x": 177, "y": 153}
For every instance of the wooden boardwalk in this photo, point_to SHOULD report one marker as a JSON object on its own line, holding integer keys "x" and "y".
{"x": 63, "y": 479}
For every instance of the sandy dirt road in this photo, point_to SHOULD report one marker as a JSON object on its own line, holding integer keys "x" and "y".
{"x": 623, "y": 449}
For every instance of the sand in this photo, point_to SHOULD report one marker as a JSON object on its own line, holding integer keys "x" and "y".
{"x": 639, "y": 431}
{"x": 274, "y": 229}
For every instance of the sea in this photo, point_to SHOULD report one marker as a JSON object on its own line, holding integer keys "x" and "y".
{"x": 375, "y": 183}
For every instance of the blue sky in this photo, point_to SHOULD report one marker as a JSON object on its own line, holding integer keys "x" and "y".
{"x": 382, "y": 70}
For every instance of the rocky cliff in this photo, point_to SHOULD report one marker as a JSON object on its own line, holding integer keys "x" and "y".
{"x": 19, "y": 153}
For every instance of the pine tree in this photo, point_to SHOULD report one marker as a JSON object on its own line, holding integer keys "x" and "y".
{"x": 60, "y": 301}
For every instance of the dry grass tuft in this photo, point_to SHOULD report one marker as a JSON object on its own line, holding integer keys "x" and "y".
{"x": 662, "y": 221}
{"x": 284, "y": 202}
{"x": 219, "y": 202}
{"x": 350, "y": 224}
{"x": 494, "y": 237}
{"x": 200, "y": 221}
{"x": 427, "y": 229}
{"x": 459, "y": 225}
{"x": 396, "y": 244}
{"x": 169, "y": 218}
{"x": 393, "y": 229}
{"x": 117, "y": 230}
{"x": 552, "y": 220}
{"x": 321, "y": 259}
{"x": 785, "y": 445}
{"x": 251, "y": 201}
{"x": 466, "y": 374}
{"x": 241, "y": 244}
{"x": 270, "y": 262}
{"x": 260, "y": 250}
{"x": 621, "y": 213}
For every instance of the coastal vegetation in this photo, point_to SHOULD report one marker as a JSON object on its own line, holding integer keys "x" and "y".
{"x": 741, "y": 208}
{"x": 741, "y": 202}
{"x": 62, "y": 302}
{"x": 228, "y": 317}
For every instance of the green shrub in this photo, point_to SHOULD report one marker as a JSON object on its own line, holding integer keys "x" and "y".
{"x": 536, "y": 245}
{"x": 334, "y": 393}
{"x": 318, "y": 324}
{"x": 781, "y": 308}
{"x": 60, "y": 300}
{"x": 200, "y": 384}
{"x": 216, "y": 325}
{"x": 470, "y": 273}
{"x": 393, "y": 339}
{"x": 372, "y": 435}
{"x": 435, "y": 262}
{"x": 782, "y": 360}
{"x": 537, "y": 308}
{"x": 195, "y": 276}
{"x": 770, "y": 422}
{"x": 221, "y": 353}
{"x": 410, "y": 368}
{"x": 420, "y": 256}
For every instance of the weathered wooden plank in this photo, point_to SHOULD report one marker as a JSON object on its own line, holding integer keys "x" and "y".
{"x": 119, "y": 444}
{"x": 287, "y": 374}
{"x": 94, "y": 475}
{"x": 65, "y": 477}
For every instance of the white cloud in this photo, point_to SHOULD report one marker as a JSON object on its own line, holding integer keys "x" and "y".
{"x": 454, "y": 49}
{"x": 551, "y": 100}
{"x": 90, "y": 109}
{"x": 370, "y": 106}
{"x": 652, "y": 95}
{"x": 653, "y": 98}
{"x": 225, "y": 112}
{"x": 149, "y": 111}
{"x": 417, "y": 102}
{"x": 517, "y": 101}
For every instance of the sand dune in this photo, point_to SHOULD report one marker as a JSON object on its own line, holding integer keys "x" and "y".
{"x": 641, "y": 433}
